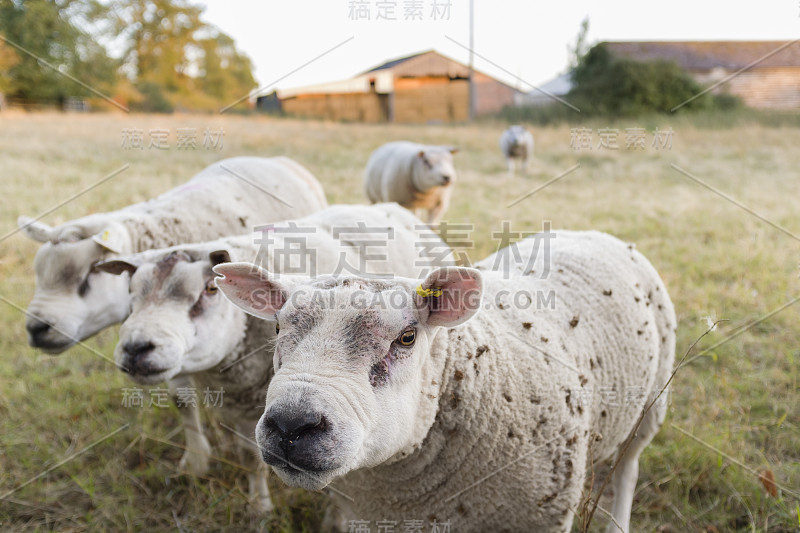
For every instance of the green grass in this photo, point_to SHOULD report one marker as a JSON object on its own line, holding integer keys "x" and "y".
{"x": 717, "y": 261}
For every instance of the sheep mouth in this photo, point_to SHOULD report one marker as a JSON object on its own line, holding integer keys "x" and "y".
{"x": 276, "y": 460}
{"x": 145, "y": 373}
{"x": 51, "y": 347}
{"x": 307, "y": 478}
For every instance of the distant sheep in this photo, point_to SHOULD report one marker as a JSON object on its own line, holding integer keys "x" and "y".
{"x": 179, "y": 326}
{"x": 516, "y": 143}
{"x": 416, "y": 176}
{"x": 488, "y": 424}
{"x": 74, "y": 300}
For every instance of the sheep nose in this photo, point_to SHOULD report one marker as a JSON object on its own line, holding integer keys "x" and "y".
{"x": 446, "y": 179}
{"x": 292, "y": 428}
{"x": 37, "y": 328}
{"x": 137, "y": 350}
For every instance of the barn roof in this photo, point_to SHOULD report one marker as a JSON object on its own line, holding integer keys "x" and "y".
{"x": 394, "y": 62}
{"x": 706, "y": 55}
{"x": 421, "y": 64}
{"x": 427, "y": 63}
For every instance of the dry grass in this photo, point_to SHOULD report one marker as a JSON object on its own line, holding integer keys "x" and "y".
{"x": 717, "y": 260}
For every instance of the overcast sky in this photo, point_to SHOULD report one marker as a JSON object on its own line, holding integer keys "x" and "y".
{"x": 526, "y": 38}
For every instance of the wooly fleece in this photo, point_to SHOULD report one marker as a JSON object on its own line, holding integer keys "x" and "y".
{"x": 223, "y": 199}
{"x": 516, "y": 143}
{"x": 418, "y": 177}
{"x": 520, "y": 389}
{"x": 517, "y": 401}
{"x": 245, "y": 382}
{"x": 237, "y": 356}
{"x": 74, "y": 300}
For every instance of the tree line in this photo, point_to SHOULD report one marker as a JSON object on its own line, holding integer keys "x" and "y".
{"x": 148, "y": 55}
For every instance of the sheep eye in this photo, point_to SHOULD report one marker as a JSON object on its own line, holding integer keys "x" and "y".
{"x": 83, "y": 288}
{"x": 408, "y": 337}
{"x": 277, "y": 328}
{"x": 211, "y": 288}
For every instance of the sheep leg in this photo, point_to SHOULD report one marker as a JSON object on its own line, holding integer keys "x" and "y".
{"x": 257, "y": 470}
{"x": 510, "y": 165}
{"x": 196, "y": 457}
{"x": 336, "y": 516}
{"x": 627, "y": 471}
{"x": 441, "y": 206}
{"x": 258, "y": 489}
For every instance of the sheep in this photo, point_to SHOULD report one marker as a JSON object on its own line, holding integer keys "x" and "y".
{"x": 516, "y": 143}
{"x": 73, "y": 300}
{"x": 418, "y": 177}
{"x": 457, "y": 398}
{"x": 180, "y": 326}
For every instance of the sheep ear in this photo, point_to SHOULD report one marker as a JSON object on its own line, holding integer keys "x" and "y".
{"x": 454, "y": 149}
{"x": 250, "y": 288}
{"x": 218, "y": 257}
{"x": 111, "y": 239}
{"x": 115, "y": 266}
{"x": 37, "y": 231}
{"x": 451, "y": 294}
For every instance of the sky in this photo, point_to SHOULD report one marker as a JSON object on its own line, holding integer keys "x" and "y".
{"x": 524, "y": 43}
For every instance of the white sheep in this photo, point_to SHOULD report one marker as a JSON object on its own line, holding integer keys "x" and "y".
{"x": 516, "y": 143}
{"x": 418, "y": 177}
{"x": 488, "y": 424}
{"x": 179, "y": 326}
{"x": 73, "y": 300}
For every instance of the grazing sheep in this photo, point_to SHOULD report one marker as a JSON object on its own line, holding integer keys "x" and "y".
{"x": 180, "y": 326}
{"x": 416, "y": 176}
{"x": 516, "y": 143}
{"x": 488, "y": 424}
{"x": 74, "y": 300}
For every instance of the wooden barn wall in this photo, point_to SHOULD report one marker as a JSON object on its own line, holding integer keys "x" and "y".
{"x": 419, "y": 100}
{"x": 490, "y": 95}
{"x": 431, "y": 99}
{"x": 351, "y": 107}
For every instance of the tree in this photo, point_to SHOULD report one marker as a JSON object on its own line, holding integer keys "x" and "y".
{"x": 224, "y": 72}
{"x": 57, "y": 31}
{"x": 8, "y": 59}
{"x": 169, "y": 58}
{"x": 605, "y": 84}
{"x": 175, "y": 59}
{"x": 581, "y": 46}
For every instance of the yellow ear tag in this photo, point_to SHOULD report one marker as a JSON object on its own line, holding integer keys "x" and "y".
{"x": 106, "y": 233}
{"x": 428, "y": 292}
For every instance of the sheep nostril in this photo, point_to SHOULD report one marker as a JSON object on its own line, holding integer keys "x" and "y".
{"x": 137, "y": 350}
{"x": 37, "y": 328}
{"x": 290, "y": 429}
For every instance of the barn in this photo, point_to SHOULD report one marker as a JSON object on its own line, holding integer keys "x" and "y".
{"x": 771, "y": 79}
{"x": 427, "y": 87}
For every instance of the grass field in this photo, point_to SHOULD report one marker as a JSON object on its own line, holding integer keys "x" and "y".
{"x": 718, "y": 260}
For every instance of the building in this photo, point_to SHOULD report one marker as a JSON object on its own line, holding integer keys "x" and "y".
{"x": 422, "y": 88}
{"x": 772, "y": 80}
{"x": 548, "y": 92}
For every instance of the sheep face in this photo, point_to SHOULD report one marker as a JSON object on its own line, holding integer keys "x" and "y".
{"x": 179, "y": 323}
{"x": 351, "y": 364}
{"x": 434, "y": 168}
{"x": 73, "y": 300}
